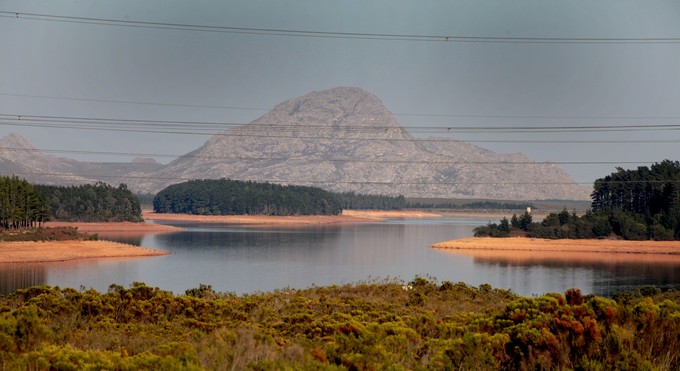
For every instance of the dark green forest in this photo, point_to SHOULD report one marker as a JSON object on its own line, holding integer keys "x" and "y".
{"x": 638, "y": 204}
{"x": 100, "y": 202}
{"x": 354, "y": 201}
{"x": 366, "y": 326}
{"x": 416, "y": 203}
{"x": 21, "y": 204}
{"x": 235, "y": 197}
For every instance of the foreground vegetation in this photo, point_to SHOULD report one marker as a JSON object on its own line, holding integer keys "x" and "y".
{"x": 419, "y": 325}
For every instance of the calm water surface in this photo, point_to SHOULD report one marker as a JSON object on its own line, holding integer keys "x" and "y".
{"x": 245, "y": 260}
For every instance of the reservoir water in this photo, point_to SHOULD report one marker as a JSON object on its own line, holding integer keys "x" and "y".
{"x": 247, "y": 260}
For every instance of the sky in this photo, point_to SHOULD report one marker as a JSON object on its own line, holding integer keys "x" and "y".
{"x": 558, "y": 65}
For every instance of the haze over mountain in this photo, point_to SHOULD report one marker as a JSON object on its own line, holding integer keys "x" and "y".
{"x": 341, "y": 139}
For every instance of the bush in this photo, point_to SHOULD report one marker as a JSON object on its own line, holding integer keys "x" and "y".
{"x": 383, "y": 325}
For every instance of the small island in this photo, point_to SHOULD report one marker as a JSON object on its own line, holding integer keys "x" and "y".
{"x": 633, "y": 211}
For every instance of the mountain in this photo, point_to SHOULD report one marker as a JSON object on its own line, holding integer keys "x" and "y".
{"x": 344, "y": 139}
{"x": 20, "y": 158}
{"x": 341, "y": 139}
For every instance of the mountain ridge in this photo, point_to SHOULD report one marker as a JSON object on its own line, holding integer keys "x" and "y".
{"x": 345, "y": 139}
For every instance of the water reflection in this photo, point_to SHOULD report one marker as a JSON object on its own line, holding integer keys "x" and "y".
{"x": 13, "y": 276}
{"x": 131, "y": 238}
{"x": 245, "y": 260}
{"x": 610, "y": 272}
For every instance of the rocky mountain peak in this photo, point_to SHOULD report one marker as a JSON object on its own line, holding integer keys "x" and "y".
{"x": 346, "y": 111}
{"x": 345, "y": 139}
{"x": 14, "y": 141}
{"x": 340, "y": 139}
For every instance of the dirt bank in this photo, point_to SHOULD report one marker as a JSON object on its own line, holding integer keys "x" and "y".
{"x": 115, "y": 227}
{"x": 536, "y": 244}
{"x": 258, "y": 219}
{"x": 56, "y": 251}
{"x": 527, "y": 251}
{"x": 389, "y": 214}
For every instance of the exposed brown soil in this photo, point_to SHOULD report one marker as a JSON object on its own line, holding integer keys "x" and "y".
{"x": 389, "y": 214}
{"x": 258, "y": 219}
{"x": 564, "y": 245}
{"x": 56, "y": 251}
{"x": 115, "y": 227}
{"x": 527, "y": 250}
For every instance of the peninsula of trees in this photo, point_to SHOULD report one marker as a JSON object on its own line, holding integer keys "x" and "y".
{"x": 98, "y": 202}
{"x": 234, "y": 197}
{"x": 636, "y": 204}
{"x": 21, "y": 204}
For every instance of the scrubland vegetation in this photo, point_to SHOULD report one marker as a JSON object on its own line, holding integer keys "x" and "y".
{"x": 45, "y": 234}
{"x": 377, "y": 325}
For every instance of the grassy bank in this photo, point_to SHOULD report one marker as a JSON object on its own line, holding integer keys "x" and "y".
{"x": 419, "y": 325}
{"x": 60, "y": 233}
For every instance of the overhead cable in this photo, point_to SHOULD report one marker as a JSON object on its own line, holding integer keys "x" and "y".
{"x": 334, "y": 34}
{"x": 416, "y": 114}
{"x": 313, "y": 159}
{"x": 164, "y": 126}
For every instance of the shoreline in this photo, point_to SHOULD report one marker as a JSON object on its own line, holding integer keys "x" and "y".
{"x": 112, "y": 227}
{"x": 561, "y": 246}
{"x": 256, "y": 220}
{"x": 60, "y": 251}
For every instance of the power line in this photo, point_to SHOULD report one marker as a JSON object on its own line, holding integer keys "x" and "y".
{"x": 357, "y": 182}
{"x": 354, "y": 138}
{"x": 304, "y": 181}
{"x": 136, "y": 102}
{"x": 334, "y": 34}
{"x": 162, "y": 126}
{"x": 607, "y": 117}
{"x": 312, "y": 159}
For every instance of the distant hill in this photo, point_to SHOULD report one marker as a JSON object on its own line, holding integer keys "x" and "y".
{"x": 345, "y": 139}
{"x": 20, "y": 158}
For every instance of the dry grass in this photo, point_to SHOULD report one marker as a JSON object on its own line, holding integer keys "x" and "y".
{"x": 115, "y": 227}
{"x": 55, "y": 251}
{"x": 528, "y": 250}
{"x": 258, "y": 219}
{"x": 389, "y": 214}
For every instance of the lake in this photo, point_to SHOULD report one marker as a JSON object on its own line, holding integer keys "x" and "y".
{"x": 247, "y": 260}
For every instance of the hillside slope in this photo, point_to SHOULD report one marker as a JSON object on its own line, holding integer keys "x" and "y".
{"x": 344, "y": 139}
{"x": 341, "y": 139}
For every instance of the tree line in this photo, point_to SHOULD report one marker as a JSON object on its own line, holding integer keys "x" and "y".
{"x": 477, "y": 205}
{"x": 21, "y": 204}
{"x": 354, "y": 201}
{"x": 98, "y": 202}
{"x": 635, "y": 204}
{"x": 235, "y": 197}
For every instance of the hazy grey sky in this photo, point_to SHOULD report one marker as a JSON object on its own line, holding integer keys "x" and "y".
{"x": 484, "y": 83}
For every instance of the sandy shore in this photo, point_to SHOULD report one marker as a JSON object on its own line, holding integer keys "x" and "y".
{"x": 115, "y": 227}
{"x": 389, "y": 214}
{"x": 525, "y": 251}
{"x": 564, "y": 245}
{"x": 258, "y": 219}
{"x": 57, "y": 251}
